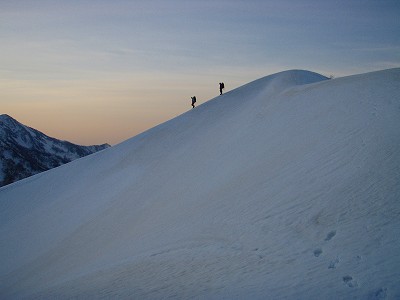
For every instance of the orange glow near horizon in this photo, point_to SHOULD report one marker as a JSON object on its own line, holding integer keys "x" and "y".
{"x": 102, "y": 73}
{"x": 97, "y": 112}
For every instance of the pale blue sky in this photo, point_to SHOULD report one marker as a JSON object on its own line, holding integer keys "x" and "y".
{"x": 102, "y": 71}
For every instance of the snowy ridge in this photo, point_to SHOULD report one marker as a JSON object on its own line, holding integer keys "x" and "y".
{"x": 285, "y": 188}
{"x": 25, "y": 151}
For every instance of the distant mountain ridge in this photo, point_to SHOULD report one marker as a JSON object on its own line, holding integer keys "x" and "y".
{"x": 25, "y": 151}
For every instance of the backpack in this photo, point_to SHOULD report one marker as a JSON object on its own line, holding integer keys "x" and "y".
{"x": 194, "y": 99}
{"x": 222, "y": 85}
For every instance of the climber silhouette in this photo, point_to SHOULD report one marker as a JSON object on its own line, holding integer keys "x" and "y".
{"x": 221, "y": 87}
{"x": 193, "y": 101}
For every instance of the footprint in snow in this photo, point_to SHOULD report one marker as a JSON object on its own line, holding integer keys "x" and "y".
{"x": 333, "y": 263}
{"x": 348, "y": 280}
{"x": 330, "y": 235}
{"x": 379, "y": 294}
{"x": 317, "y": 252}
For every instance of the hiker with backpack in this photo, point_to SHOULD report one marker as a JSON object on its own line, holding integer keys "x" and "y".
{"x": 221, "y": 87}
{"x": 193, "y": 101}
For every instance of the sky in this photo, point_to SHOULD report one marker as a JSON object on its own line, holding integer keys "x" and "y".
{"x": 102, "y": 71}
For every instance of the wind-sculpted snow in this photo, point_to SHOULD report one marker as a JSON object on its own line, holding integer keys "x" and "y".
{"x": 285, "y": 188}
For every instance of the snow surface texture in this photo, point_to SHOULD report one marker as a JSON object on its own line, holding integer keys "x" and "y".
{"x": 24, "y": 151}
{"x": 287, "y": 187}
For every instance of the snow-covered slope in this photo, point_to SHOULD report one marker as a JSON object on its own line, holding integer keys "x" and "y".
{"x": 24, "y": 151}
{"x": 285, "y": 188}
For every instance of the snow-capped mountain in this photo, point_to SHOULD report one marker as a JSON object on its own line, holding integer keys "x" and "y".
{"x": 285, "y": 188}
{"x": 25, "y": 151}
